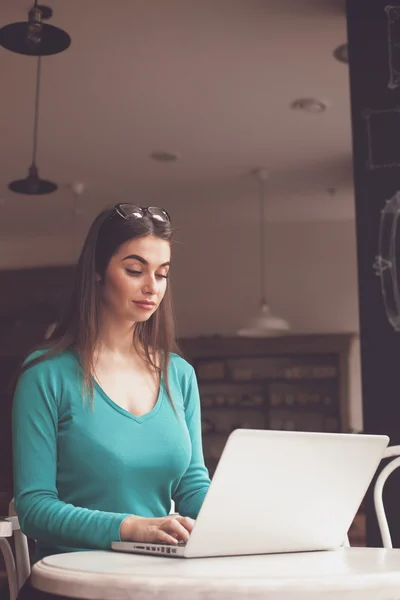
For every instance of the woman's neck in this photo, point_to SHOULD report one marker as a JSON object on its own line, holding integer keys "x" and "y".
{"x": 115, "y": 336}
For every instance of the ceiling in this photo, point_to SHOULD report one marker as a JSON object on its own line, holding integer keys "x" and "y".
{"x": 212, "y": 81}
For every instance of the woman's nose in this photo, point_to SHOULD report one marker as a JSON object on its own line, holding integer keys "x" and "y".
{"x": 150, "y": 285}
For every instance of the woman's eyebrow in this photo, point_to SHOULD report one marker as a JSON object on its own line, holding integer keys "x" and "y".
{"x": 143, "y": 260}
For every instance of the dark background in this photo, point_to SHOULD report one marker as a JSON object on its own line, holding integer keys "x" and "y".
{"x": 374, "y": 184}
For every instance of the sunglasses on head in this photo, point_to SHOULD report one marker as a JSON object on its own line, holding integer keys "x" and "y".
{"x": 131, "y": 211}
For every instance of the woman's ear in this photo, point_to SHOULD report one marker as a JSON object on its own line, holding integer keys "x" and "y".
{"x": 98, "y": 278}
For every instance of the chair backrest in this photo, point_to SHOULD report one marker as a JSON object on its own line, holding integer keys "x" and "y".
{"x": 22, "y": 559}
{"x": 6, "y": 531}
{"x": 390, "y": 452}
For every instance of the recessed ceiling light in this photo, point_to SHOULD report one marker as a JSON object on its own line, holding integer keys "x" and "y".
{"x": 164, "y": 156}
{"x": 341, "y": 53}
{"x": 310, "y": 105}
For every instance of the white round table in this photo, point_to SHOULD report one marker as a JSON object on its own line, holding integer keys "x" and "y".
{"x": 356, "y": 573}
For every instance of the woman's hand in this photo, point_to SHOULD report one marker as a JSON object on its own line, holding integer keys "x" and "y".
{"x": 168, "y": 530}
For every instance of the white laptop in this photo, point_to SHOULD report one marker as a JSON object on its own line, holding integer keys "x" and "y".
{"x": 279, "y": 491}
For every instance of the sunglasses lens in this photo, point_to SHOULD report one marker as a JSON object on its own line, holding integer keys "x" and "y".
{"x": 159, "y": 214}
{"x": 130, "y": 210}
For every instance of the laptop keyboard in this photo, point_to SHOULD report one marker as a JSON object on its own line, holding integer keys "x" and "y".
{"x": 180, "y": 543}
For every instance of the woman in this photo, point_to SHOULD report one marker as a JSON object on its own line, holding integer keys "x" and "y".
{"x": 106, "y": 417}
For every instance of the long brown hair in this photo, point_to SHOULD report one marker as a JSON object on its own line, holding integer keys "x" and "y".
{"x": 78, "y": 328}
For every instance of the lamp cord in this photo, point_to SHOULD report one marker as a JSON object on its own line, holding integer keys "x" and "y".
{"x": 36, "y": 118}
{"x": 262, "y": 241}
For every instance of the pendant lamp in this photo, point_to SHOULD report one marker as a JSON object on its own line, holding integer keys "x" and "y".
{"x": 34, "y": 38}
{"x": 32, "y": 184}
{"x": 264, "y": 323}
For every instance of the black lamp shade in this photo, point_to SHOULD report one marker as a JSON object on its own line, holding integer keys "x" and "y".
{"x": 32, "y": 185}
{"x": 14, "y": 37}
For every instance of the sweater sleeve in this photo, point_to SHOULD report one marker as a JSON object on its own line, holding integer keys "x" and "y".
{"x": 194, "y": 484}
{"x": 42, "y": 515}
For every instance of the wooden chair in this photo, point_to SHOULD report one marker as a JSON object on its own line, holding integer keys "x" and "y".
{"x": 18, "y": 568}
{"x": 6, "y": 531}
{"x": 390, "y": 452}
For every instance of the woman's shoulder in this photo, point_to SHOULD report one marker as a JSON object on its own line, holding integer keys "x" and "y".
{"x": 180, "y": 371}
{"x": 45, "y": 361}
{"x": 46, "y": 377}
{"x": 181, "y": 365}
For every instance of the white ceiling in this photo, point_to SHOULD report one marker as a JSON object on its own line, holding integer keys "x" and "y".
{"x": 211, "y": 80}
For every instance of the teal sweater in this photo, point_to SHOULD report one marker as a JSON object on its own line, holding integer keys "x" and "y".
{"x": 80, "y": 469}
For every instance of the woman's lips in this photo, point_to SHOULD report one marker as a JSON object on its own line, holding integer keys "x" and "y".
{"x": 145, "y": 305}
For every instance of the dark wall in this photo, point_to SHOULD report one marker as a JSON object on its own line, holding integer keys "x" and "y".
{"x": 375, "y": 95}
{"x": 30, "y": 300}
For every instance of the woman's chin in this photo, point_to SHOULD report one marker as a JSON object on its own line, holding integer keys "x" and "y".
{"x": 139, "y": 317}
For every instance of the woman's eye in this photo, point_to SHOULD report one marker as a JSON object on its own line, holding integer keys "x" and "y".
{"x": 137, "y": 273}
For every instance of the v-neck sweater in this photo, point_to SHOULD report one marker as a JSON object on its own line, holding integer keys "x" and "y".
{"x": 81, "y": 467}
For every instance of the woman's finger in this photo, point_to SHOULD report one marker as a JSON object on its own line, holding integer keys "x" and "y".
{"x": 174, "y": 527}
{"x": 187, "y": 522}
{"x": 165, "y": 538}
